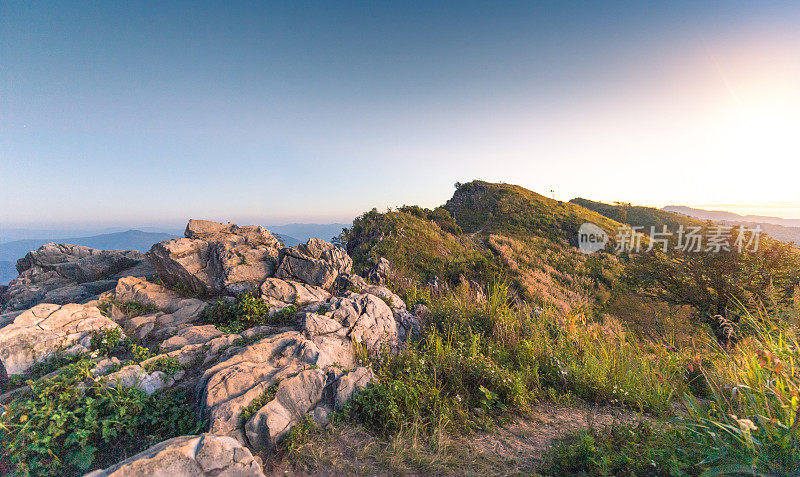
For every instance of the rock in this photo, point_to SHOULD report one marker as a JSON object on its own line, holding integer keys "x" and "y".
{"x": 351, "y": 383}
{"x": 40, "y": 332}
{"x": 104, "y": 366}
{"x": 63, "y": 273}
{"x": 408, "y": 325}
{"x": 335, "y": 256}
{"x": 368, "y": 319}
{"x": 279, "y": 292}
{"x": 216, "y": 259}
{"x": 191, "y": 335}
{"x": 174, "y": 312}
{"x": 3, "y": 378}
{"x": 380, "y": 272}
{"x": 323, "y": 344}
{"x": 313, "y": 392}
{"x": 203, "y": 455}
{"x": 295, "y": 397}
{"x": 298, "y": 266}
{"x": 134, "y": 376}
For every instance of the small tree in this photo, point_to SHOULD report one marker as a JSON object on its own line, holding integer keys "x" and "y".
{"x": 715, "y": 284}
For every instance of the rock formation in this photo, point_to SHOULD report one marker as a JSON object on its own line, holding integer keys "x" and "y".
{"x": 63, "y": 273}
{"x": 45, "y": 329}
{"x": 306, "y": 369}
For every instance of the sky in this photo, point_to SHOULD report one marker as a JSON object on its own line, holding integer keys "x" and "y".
{"x": 130, "y": 113}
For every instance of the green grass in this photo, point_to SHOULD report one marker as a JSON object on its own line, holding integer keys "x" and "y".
{"x": 480, "y": 360}
{"x": 129, "y": 308}
{"x": 417, "y": 246}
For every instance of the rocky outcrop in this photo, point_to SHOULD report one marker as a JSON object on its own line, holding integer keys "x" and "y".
{"x": 215, "y": 259}
{"x": 380, "y": 272}
{"x": 134, "y": 376}
{"x": 280, "y": 293}
{"x": 63, "y": 273}
{"x": 313, "y": 393}
{"x": 323, "y": 344}
{"x": 174, "y": 312}
{"x": 203, "y": 455}
{"x": 45, "y": 329}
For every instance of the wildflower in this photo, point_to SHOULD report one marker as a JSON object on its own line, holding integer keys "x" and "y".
{"x": 746, "y": 425}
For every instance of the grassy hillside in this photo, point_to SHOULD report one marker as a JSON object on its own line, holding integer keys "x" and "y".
{"x": 639, "y": 216}
{"x": 486, "y": 230}
{"x": 421, "y": 244}
{"x": 486, "y": 208}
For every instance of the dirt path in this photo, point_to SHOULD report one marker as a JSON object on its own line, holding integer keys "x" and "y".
{"x": 515, "y": 447}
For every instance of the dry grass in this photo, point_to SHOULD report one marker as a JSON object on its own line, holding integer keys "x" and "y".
{"x": 511, "y": 448}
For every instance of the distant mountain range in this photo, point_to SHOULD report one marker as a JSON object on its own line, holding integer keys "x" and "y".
{"x": 730, "y": 216}
{"x": 785, "y": 230}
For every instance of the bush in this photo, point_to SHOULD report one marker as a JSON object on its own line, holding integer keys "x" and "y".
{"x": 71, "y": 423}
{"x": 246, "y": 311}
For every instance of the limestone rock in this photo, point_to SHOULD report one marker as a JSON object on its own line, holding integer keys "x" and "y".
{"x": 63, "y": 273}
{"x": 323, "y": 345}
{"x": 38, "y": 333}
{"x": 281, "y": 292}
{"x": 174, "y": 312}
{"x": 134, "y": 376}
{"x": 216, "y": 259}
{"x": 204, "y": 455}
{"x": 337, "y": 257}
{"x": 299, "y": 266}
{"x": 380, "y": 272}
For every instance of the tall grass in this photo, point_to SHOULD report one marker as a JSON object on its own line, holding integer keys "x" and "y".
{"x": 480, "y": 357}
{"x": 751, "y": 422}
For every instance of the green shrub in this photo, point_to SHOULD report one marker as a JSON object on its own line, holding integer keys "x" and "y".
{"x": 246, "y": 311}
{"x": 168, "y": 365}
{"x": 72, "y": 423}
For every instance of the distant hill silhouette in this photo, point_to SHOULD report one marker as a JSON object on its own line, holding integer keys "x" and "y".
{"x": 785, "y": 230}
{"x": 730, "y": 216}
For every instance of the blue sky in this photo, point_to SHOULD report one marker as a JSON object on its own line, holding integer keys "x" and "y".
{"x": 152, "y": 112}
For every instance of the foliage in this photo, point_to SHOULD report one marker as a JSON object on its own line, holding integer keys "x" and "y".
{"x": 71, "y": 423}
{"x": 639, "y": 216}
{"x": 623, "y": 450}
{"x": 504, "y": 209}
{"x": 483, "y": 358}
{"x": 259, "y": 402}
{"x": 129, "y": 308}
{"x": 246, "y": 311}
{"x": 168, "y": 365}
{"x": 417, "y": 246}
{"x": 715, "y": 283}
{"x": 751, "y": 421}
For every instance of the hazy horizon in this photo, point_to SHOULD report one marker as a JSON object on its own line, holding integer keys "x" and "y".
{"x": 121, "y": 113}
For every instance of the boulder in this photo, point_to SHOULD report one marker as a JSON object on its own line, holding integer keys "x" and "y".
{"x": 203, "y": 455}
{"x": 322, "y": 345}
{"x": 215, "y": 258}
{"x": 40, "y": 332}
{"x": 299, "y": 266}
{"x": 134, "y": 376}
{"x": 279, "y": 292}
{"x": 174, "y": 311}
{"x": 337, "y": 257}
{"x": 380, "y": 272}
{"x": 63, "y": 273}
